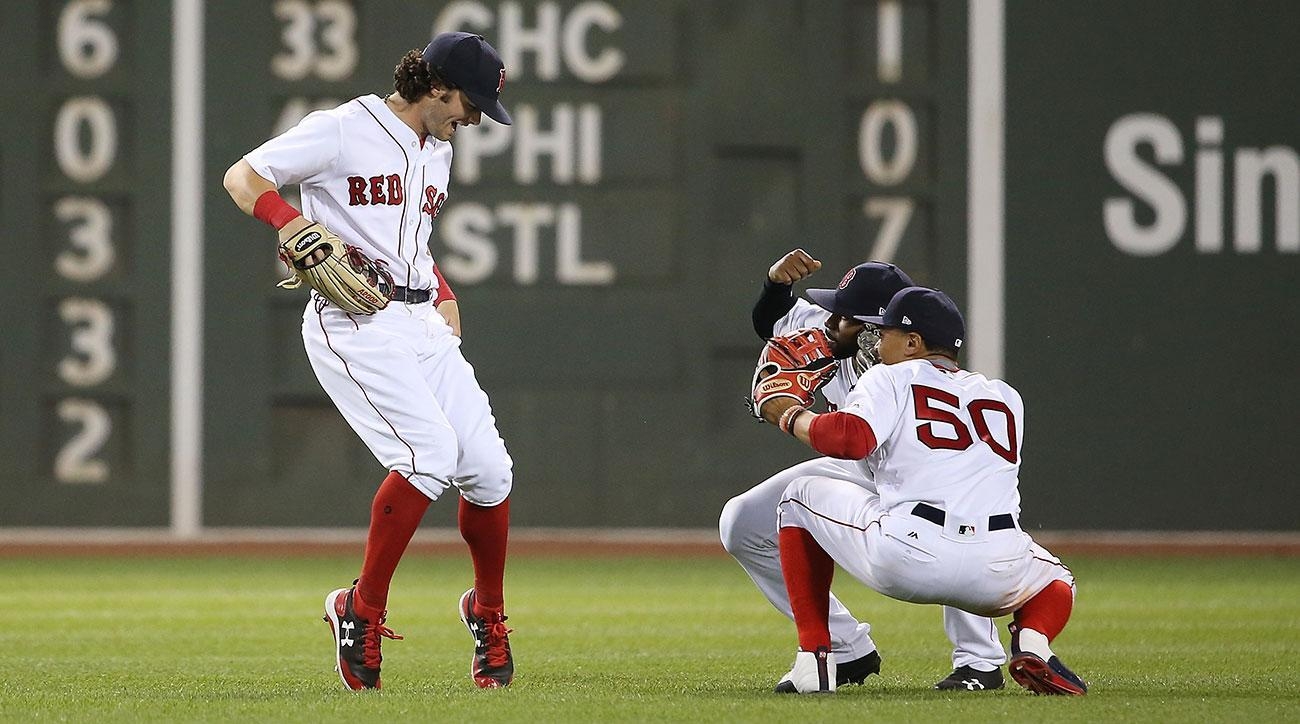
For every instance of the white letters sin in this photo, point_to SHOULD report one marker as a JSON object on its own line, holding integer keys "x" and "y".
{"x": 1146, "y": 182}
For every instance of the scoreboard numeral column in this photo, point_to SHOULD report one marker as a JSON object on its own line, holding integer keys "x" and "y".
{"x": 86, "y": 149}
{"x": 893, "y": 109}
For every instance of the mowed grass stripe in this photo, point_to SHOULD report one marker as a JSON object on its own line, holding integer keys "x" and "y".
{"x": 636, "y": 639}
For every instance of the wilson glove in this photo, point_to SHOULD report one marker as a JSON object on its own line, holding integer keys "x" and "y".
{"x": 338, "y": 271}
{"x": 794, "y": 366}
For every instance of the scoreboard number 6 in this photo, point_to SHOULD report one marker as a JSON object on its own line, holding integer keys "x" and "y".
{"x": 87, "y": 46}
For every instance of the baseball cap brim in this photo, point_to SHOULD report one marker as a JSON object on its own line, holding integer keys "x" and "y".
{"x": 491, "y": 108}
{"x": 877, "y": 320}
{"x": 824, "y": 298}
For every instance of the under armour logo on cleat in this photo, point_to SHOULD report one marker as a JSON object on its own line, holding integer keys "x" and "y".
{"x": 344, "y": 638}
{"x": 972, "y": 684}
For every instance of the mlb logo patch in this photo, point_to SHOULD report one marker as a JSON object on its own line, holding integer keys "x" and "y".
{"x": 965, "y": 530}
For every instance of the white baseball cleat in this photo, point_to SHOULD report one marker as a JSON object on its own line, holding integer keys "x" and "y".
{"x": 813, "y": 673}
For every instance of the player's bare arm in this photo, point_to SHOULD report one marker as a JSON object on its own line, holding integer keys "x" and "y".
{"x": 450, "y": 311}
{"x": 793, "y": 267}
{"x": 773, "y": 410}
{"x": 246, "y": 186}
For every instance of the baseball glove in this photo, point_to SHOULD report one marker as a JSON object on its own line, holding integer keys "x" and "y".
{"x": 338, "y": 271}
{"x": 794, "y": 366}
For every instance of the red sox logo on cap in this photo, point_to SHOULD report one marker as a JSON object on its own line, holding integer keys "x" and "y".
{"x": 501, "y": 83}
{"x": 848, "y": 277}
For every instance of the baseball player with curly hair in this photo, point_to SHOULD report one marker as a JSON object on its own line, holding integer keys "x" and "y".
{"x": 748, "y": 521}
{"x": 943, "y": 447}
{"x": 380, "y": 328}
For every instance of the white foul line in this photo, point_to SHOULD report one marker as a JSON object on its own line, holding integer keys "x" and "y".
{"x": 187, "y": 270}
{"x": 985, "y": 263}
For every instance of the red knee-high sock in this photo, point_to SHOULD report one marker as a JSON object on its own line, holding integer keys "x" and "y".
{"x": 394, "y": 516}
{"x": 486, "y": 530}
{"x": 808, "y": 570}
{"x": 1048, "y": 610}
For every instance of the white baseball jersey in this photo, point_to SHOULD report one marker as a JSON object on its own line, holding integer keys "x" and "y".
{"x": 397, "y": 376}
{"x": 749, "y": 531}
{"x": 950, "y": 438}
{"x": 367, "y": 177}
{"x": 803, "y": 315}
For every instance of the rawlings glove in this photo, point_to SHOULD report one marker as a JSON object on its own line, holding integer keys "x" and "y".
{"x": 338, "y": 271}
{"x": 794, "y": 366}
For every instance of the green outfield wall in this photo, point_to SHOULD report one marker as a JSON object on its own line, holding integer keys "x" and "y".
{"x": 607, "y": 247}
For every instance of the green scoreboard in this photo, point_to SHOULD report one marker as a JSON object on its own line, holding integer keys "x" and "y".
{"x": 606, "y": 246}
{"x": 84, "y": 212}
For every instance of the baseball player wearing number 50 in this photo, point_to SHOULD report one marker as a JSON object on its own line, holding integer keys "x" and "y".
{"x": 748, "y": 521}
{"x": 379, "y": 328}
{"x": 943, "y": 447}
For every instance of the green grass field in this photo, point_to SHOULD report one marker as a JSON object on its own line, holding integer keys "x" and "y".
{"x": 637, "y": 639}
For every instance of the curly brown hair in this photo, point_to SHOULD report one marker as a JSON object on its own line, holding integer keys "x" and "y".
{"x": 413, "y": 79}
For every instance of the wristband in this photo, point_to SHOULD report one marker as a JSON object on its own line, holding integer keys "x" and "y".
{"x": 785, "y": 423}
{"x": 272, "y": 209}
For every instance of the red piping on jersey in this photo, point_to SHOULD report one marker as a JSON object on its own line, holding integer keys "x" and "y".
{"x": 823, "y": 516}
{"x": 406, "y": 205}
{"x": 347, "y": 369}
{"x": 841, "y": 435}
{"x": 419, "y": 220}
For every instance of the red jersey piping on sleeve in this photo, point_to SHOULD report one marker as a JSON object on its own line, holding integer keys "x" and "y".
{"x": 841, "y": 435}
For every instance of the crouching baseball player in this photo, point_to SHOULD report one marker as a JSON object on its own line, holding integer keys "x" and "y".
{"x": 943, "y": 446}
{"x": 748, "y": 522}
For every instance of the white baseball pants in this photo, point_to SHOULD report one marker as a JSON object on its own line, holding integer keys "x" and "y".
{"x": 988, "y": 573}
{"x": 399, "y": 379}
{"x": 748, "y": 527}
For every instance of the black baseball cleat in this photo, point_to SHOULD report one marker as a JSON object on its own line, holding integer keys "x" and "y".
{"x": 356, "y": 641}
{"x": 857, "y": 670}
{"x": 1038, "y": 673}
{"x": 968, "y": 678}
{"x": 492, "y": 666}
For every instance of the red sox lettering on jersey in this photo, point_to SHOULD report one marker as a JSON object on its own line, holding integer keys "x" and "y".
{"x": 382, "y": 167}
{"x": 433, "y": 200}
{"x": 378, "y": 190}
